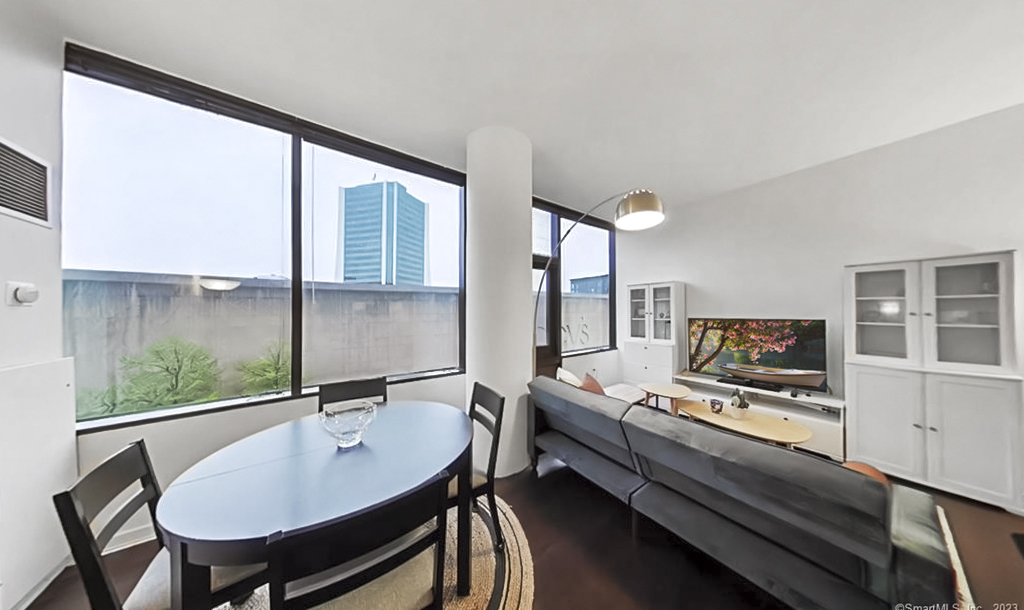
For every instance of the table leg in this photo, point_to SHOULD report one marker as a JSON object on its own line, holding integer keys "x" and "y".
{"x": 674, "y": 407}
{"x": 464, "y": 530}
{"x": 190, "y": 584}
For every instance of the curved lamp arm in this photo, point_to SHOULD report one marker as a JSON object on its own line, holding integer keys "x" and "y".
{"x": 637, "y": 210}
{"x": 551, "y": 258}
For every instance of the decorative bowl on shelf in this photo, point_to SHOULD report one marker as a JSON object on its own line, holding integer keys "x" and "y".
{"x": 346, "y": 421}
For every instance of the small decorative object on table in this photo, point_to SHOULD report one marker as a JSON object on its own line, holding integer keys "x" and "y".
{"x": 738, "y": 405}
{"x": 716, "y": 405}
{"x": 346, "y": 421}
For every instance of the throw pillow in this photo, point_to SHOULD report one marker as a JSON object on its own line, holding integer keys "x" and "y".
{"x": 869, "y": 470}
{"x": 564, "y": 375}
{"x": 591, "y": 385}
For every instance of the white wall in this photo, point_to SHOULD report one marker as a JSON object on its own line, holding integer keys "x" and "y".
{"x": 499, "y": 307}
{"x": 777, "y": 249}
{"x": 30, "y": 336}
{"x": 30, "y": 106}
{"x": 37, "y": 459}
{"x": 606, "y": 367}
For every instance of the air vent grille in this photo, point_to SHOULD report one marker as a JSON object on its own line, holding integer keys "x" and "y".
{"x": 22, "y": 184}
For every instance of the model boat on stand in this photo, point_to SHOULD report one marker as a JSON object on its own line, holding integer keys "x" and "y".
{"x": 767, "y": 374}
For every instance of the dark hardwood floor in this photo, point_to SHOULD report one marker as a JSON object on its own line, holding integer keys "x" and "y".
{"x": 984, "y": 537}
{"x": 125, "y": 568}
{"x": 584, "y": 556}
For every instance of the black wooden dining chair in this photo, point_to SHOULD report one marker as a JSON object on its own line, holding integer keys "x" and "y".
{"x": 350, "y": 390}
{"x": 397, "y": 549}
{"x": 487, "y": 407}
{"x": 94, "y": 494}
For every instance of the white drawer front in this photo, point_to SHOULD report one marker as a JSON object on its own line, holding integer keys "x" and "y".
{"x": 645, "y": 353}
{"x": 635, "y": 372}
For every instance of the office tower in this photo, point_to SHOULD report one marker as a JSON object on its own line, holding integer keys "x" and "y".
{"x": 382, "y": 235}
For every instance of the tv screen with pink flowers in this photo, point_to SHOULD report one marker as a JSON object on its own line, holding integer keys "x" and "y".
{"x": 787, "y": 352}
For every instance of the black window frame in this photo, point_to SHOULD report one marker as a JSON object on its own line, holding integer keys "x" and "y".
{"x": 551, "y": 354}
{"x": 113, "y": 70}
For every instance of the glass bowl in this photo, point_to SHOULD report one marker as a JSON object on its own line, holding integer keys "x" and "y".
{"x": 347, "y": 421}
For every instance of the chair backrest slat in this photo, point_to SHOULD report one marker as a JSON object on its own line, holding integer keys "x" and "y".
{"x": 486, "y": 399}
{"x": 350, "y": 390}
{"x": 483, "y": 420}
{"x": 123, "y": 514}
{"x": 97, "y": 489}
{"x": 88, "y": 497}
{"x": 306, "y": 557}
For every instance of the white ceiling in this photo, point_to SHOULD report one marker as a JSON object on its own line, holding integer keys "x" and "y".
{"x": 687, "y": 97}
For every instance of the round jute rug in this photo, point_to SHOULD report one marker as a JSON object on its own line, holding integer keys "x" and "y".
{"x": 501, "y": 581}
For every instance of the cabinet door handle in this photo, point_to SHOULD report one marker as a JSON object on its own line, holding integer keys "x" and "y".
{"x": 911, "y": 313}
{"x": 928, "y": 313}
{"x": 919, "y": 426}
{"x": 933, "y": 428}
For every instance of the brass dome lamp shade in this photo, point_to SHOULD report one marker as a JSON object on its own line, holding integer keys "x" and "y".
{"x": 638, "y": 210}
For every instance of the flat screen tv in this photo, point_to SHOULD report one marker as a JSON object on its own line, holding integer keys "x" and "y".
{"x": 785, "y": 352}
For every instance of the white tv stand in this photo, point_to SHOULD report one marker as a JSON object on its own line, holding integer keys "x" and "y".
{"x": 824, "y": 415}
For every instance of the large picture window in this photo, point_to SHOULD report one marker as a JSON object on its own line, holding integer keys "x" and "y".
{"x": 185, "y": 221}
{"x": 381, "y": 269}
{"x": 576, "y": 309}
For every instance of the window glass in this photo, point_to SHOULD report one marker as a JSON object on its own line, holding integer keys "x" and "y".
{"x": 542, "y": 232}
{"x": 541, "y": 305}
{"x": 586, "y": 309}
{"x": 176, "y": 252}
{"x": 381, "y": 269}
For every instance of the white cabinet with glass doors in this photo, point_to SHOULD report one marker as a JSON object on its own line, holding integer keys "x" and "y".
{"x": 933, "y": 373}
{"x": 948, "y": 314}
{"x": 656, "y": 313}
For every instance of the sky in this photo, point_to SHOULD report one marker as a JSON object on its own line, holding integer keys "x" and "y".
{"x": 157, "y": 187}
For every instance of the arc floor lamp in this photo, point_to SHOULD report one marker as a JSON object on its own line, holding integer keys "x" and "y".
{"x": 637, "y": 210}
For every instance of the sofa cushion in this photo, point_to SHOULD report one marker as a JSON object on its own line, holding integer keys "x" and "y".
{"x": 841, "y": 507}
{"x": 568, "y": 377}
{"x": 587, "y": 418}
{"x": 867, "y": 470}
{"x": 591, "y": 384}
{"x": 839, "y": 561}
{"x": 923, "y": 568}
{"x": 798, "y": 582}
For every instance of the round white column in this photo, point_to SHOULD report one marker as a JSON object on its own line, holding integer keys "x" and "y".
{"x": 499, "y": 255}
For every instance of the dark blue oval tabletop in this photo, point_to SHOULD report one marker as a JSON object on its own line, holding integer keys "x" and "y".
{"x": 293, "y": 477}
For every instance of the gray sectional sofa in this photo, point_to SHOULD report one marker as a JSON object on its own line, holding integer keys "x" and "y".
{"x": 812, "y": 533}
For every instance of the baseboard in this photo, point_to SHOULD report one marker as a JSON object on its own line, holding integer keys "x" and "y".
{"x": 41, "y": 586}
{"x": 130, "y": 537}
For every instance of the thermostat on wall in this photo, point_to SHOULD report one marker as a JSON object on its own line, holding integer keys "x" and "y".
{"x": 20, "y": 293}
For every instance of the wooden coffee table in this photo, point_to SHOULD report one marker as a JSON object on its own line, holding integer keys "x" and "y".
{"x": 759, "y": 425}
{"x": 673, "y": 391}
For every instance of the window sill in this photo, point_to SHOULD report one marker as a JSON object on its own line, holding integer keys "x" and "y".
{"x": 129, "y": 420}
{"x": 587, "y": 352}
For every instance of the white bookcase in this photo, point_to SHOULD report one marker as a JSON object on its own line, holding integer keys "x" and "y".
{"x": 933, "y": 380}
{"x": 655, "y": 344}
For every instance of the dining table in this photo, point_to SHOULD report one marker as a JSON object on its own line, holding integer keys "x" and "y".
{"x": 294, "y": 477}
